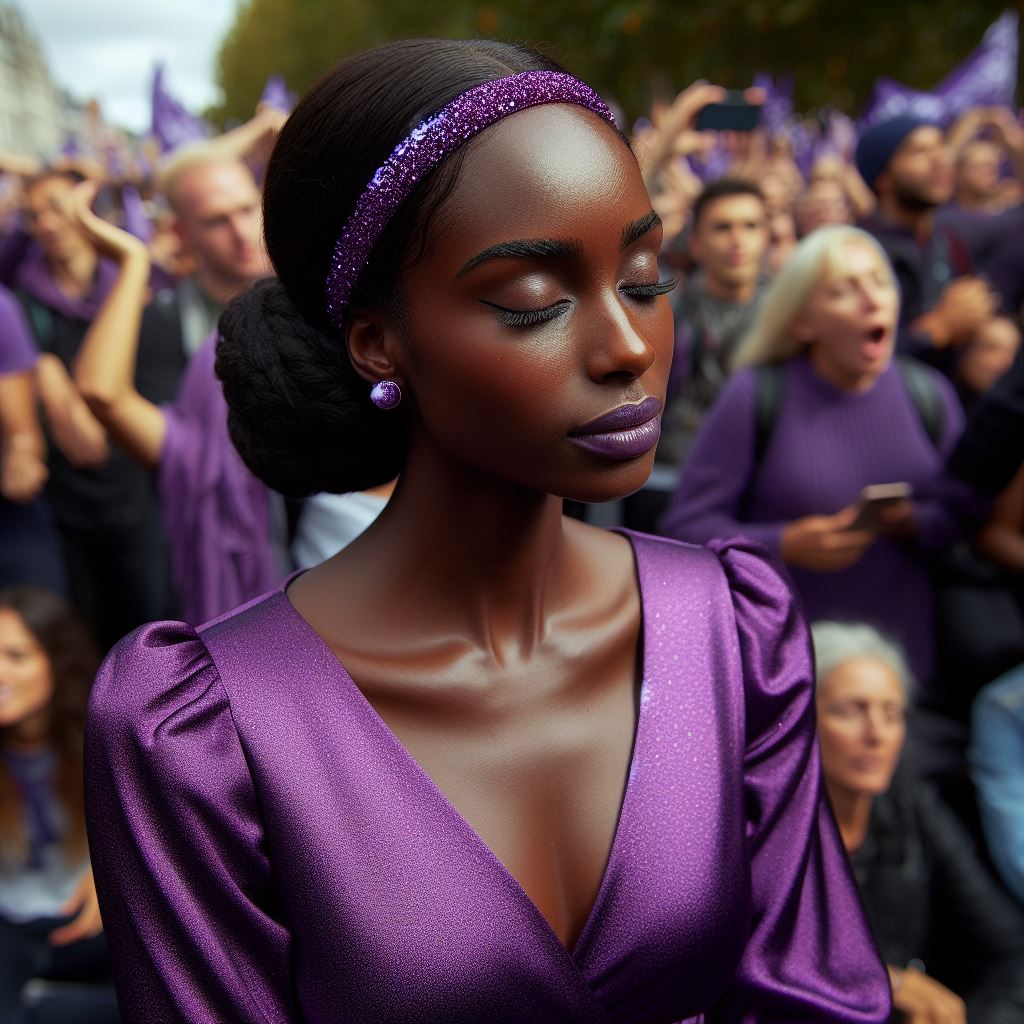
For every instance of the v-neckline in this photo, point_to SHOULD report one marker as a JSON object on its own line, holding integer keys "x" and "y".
{"x": 456, "y": 816}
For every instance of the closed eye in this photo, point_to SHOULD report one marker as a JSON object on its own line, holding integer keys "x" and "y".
{"x": 528, "y": 317}
{"x": 649, "y": 291}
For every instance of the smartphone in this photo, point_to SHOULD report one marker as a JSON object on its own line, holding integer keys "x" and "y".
{"x": 875, "y": 498}
{"x": 735, "y": 114}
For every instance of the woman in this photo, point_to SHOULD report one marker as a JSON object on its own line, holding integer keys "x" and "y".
{"x": 513, "y": 802}
{"x": 932, "y": 904}
{"x": 49, "y": 916}
{"x": 841, "y": 417}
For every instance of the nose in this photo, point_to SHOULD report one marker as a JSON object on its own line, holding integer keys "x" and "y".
{"x": 617, "y": 350}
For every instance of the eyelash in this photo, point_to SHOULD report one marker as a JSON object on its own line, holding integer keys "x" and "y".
{"x": 534, "y": 317}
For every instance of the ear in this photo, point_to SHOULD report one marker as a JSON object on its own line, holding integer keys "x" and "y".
{"x": 883, "y": 183}
{"x": 373, "y": 346}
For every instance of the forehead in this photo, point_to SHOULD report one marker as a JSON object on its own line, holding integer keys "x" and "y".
{"x": 855, "y": 257}
{"x": 213, "y": 186}
{"x": 926, "y": 137}
{"x": 43, "y": 191}
{"x": 554, "y": 171}
{"x": 13, "y": 629}
{"x": 731, "y": 208}
{"x": 862, "y": 678}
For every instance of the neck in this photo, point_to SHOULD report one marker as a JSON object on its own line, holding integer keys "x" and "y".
{"x": 919, "y": 222}
{"x": 853, "y": 815}
{"x": 28, "y": 736}
{"x": 854, "y": 385}
{"x": 220, "y": 289}
{"x": 74, "y": 273}
{"x": 475, "y": 550}
{"x": 730, "y": 291}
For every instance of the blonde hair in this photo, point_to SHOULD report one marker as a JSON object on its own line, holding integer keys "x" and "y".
{"x": 771, "y": 338}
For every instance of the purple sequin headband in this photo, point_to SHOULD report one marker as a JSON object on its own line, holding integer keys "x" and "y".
{"x": 427, "y": 145}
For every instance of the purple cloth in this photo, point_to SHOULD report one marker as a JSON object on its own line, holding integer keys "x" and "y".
{"x": 17, "y": 350}
{"x": 215, "y": 511}
{"x": 33, "y": 276}
{"x": 265, "y": 848}
{"x": 825, "y": 446}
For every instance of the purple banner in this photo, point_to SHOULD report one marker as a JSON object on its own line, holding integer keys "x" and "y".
{"x": 172, "y": 124}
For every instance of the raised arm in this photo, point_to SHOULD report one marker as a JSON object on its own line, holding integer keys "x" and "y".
{"x": 105, "y": 365}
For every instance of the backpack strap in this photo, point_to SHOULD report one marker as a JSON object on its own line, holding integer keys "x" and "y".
{"x": 924, "y": 394}
{"x": 769, "y": 391}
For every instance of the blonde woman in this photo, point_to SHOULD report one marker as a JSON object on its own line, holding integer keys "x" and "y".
{"x": 785, "y": 453}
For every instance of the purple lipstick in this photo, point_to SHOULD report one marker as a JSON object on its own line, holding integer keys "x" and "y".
{"x": 625, "y": 433}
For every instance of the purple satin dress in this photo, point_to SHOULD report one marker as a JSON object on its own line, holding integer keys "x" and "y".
{"x": 267, "y": 851}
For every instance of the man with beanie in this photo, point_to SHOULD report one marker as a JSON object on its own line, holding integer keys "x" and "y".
{"x": 907, "y": 163}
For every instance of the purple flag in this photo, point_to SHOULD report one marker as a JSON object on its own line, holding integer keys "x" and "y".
{"x": 172, "y": 124}
{"x": 277, "y": 95}
{"x": 777, "y": 112}
{"x": 987, "y": 77}
{"x": 135, "y": 220}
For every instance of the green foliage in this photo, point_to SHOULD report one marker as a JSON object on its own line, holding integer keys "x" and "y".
{"x": 628, "y": 50}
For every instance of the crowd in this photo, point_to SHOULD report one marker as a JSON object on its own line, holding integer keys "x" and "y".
{"x": 845, "y": 390}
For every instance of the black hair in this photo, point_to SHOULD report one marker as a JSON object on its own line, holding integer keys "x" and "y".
{"x": 720, "y": 188}
{"x": 299, "y": 413}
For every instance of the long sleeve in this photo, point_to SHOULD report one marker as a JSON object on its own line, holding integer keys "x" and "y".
{"x": 810, "y": 956}
{"x": 177, "y": 842}
{"x": 708, "y": 500}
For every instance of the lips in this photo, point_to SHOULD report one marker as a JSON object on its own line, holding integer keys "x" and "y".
{"x": 624, "y": 433}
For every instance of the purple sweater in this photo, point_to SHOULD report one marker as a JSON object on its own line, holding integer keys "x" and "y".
{"x": 825, "y": 446}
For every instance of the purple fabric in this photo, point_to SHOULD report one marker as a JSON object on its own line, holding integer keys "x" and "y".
{"x": 17, "y": 350}
{"x": 136, "y": 221}
{"x": 825, "y": 446}
{"x": 170, "y": 122}
{"x": 33, "y": 275}
{"x": 276, "y": 94}
{"x": 266, "y": 850}
{"x": 427, "y": 145}
{"x": 215, "y": 511}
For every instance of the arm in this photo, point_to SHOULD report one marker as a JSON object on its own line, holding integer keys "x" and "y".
{"x": 255, "y": 137}
{"x": 23, "y": 452}
{"x": 75, "y": 431}
{"x": 810, "y": 955}
{"x": 105, "y": 365}
{"x": 1002, "y": 539}
{"x": 177, "y": 842}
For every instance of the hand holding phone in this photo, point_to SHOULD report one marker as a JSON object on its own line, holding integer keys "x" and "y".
{"x": 874, "y": 501}
{"x": 734, "y": 114}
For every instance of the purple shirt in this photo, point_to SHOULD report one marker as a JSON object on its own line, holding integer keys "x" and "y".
{"x": 825, "y": 447}
{"x": 215, "y": 511}
{"x": 266, "y": 849}
{"x": 17, "y": 350}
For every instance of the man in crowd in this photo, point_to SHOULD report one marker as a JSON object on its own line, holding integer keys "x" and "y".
{"x": 216, "y": 208}
{"x": 728, "y": 241}
{"x": 907, "y": 163}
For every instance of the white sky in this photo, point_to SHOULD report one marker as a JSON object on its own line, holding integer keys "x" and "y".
{"x": 105, "y": 49}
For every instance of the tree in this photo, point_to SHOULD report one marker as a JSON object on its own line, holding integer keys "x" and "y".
{"x": 627, "y": 50}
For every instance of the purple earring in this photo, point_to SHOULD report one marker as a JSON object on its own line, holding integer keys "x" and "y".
{"x": 386, "y": 394}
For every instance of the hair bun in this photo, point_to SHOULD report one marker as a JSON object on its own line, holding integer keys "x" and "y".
{"x": 299, "y": 414}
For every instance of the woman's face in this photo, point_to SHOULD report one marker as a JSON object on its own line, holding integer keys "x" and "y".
{"x": 849, "y": 320}
{"x": 537, "y": 312}
{"x": 26, "y": 678}
{"x": 861, "y": 725}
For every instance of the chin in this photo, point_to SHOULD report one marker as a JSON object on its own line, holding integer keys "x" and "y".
{"x": 619, "y": 480}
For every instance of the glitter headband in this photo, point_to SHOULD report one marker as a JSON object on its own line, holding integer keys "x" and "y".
{"x": 434, "y": 140}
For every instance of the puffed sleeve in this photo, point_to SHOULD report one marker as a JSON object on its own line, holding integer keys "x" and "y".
{"x": 177, "y": 841}
{"x": 810, "y": 955}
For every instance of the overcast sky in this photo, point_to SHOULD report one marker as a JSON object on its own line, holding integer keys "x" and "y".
{"x": 105, "y": 49}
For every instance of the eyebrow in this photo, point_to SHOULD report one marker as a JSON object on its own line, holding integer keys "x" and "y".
{"x": 554, "y": 249}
